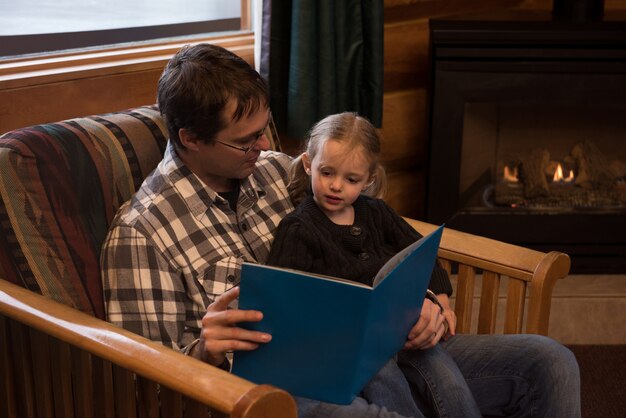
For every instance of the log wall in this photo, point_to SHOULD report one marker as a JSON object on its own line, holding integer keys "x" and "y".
{"x": 123, "y": 79}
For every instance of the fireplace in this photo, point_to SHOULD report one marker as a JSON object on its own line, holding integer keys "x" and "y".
{"x": 528, "y": 133}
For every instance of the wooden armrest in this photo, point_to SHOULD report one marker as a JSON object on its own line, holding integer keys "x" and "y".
{"x": 192, "y": 378}
{"x": 540, "y": 270}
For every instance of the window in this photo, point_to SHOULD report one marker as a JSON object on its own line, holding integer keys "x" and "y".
{"x": 38, "y": 26}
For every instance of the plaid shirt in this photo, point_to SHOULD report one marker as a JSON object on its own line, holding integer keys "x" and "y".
{"x": 177, "y": 245}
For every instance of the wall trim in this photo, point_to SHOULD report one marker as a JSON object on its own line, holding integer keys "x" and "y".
{"x": 23, "y": 72}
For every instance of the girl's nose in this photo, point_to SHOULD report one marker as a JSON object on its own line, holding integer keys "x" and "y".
{"x": 335, "y": 185}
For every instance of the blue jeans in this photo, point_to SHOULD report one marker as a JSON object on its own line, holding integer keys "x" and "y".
{"x": 472, "y": 375}
{"x": 515, "y": 375}
{"x": 388, "y": 389}
{"x": 437, "y": 385}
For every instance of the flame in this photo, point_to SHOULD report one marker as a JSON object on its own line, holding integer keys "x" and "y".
{"x": 558, "y": 175}
{"x": 510, "y": 174}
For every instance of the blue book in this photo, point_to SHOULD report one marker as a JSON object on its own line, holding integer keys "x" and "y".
{"x": 331, "y": 336}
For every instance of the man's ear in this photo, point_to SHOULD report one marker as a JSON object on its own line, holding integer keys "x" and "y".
{"x": 306, "y": 163}
{"x": 188, "y": 140}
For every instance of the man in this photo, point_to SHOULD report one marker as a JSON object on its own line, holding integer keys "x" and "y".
{"x": 172, "y": 258}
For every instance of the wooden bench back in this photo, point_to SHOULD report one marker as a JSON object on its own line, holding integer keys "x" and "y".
{"x": 530, "y": 277}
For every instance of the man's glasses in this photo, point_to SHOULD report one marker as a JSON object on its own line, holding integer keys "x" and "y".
{"x": 247, "y": 148}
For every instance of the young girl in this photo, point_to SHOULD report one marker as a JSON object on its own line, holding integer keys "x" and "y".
{"x": 344, "y": 229}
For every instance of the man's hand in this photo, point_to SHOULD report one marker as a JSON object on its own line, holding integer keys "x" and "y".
{"x": 450, "y": 316}
{"x": 429, "y": 328}
{"x": 220, "y": 332}
{"x": 432, "y": 325}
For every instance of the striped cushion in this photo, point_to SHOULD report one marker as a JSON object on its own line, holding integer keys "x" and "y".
{"x": 60, "y": 186}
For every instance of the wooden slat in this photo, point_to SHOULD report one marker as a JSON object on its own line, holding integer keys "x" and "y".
{"x": 23, "y": 376}
{"x": 148, "y": 398}
{"x": 194, "y": 409}
{"x": 218, "y": 414}
{"x": 82, "y": 383}
{"x": 124, "y": 392}
{"x": 464, "y": 298}
{"x": 488, "y": 303}
{"x": 401, "y": 10}
{"x": 7, "y": 390}
{"x": 171, "y": 403}
{"x": 516, "y": 295}
{"x": 43, "y": 380}
{"x": 104, "y": 401}
{"x": 61, "y": 367}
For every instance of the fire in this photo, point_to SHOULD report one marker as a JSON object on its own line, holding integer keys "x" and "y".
{"x": 559, "y": 177}
{"x": 510, "y": 174}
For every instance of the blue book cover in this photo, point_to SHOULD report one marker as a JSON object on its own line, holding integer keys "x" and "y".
{"x": 331, "y": 336}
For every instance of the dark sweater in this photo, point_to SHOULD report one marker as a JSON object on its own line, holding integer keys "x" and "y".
{"x": 307, "y": 240}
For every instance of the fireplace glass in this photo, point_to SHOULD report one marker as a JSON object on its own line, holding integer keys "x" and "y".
{"x": 544, "y": 156}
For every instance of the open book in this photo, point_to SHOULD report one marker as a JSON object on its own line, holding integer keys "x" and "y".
{"x": 331, "y": 336}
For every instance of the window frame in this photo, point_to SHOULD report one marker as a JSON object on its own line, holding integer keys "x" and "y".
{"x": 34, "y": 69}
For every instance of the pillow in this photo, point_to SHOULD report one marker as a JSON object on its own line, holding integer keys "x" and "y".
{"x": 60, "y": 186}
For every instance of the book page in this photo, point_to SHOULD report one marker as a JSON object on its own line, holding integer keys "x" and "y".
{"x": 394, "y": 261}
{"x": 320, "y": 276}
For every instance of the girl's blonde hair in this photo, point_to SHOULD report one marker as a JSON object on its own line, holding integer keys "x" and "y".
{"x": 355, "y": 131}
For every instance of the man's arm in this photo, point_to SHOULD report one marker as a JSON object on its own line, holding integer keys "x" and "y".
{"x": 143, "y": 292}
{"x": 146, "y": 295}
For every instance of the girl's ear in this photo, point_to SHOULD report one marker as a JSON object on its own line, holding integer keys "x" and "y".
{"x": 369, "y": 183}
{"x": 306, "y": 163}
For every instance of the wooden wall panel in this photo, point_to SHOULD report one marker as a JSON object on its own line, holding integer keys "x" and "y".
{"x": 406, "y": 192}
{"x": 609, "y": 5}
{"x": 34, "y": 91}
{"x": 25, "y": 106}
{"x": 406, "y": 55}
{"x": 424, "y": 9}
{"x": 404, "y": 132}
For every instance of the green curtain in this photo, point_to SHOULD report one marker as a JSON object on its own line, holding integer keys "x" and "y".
{"x": 322, "y": 57}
